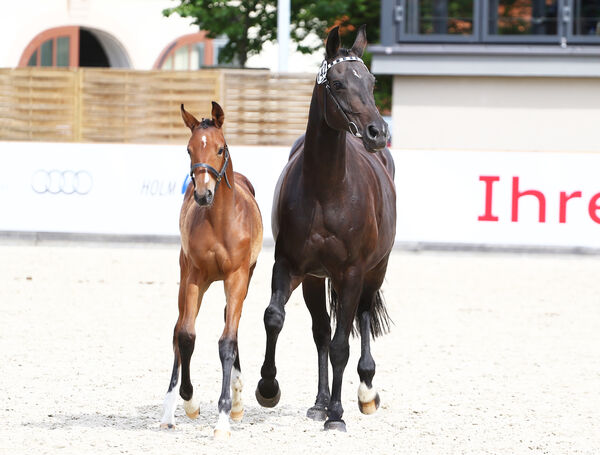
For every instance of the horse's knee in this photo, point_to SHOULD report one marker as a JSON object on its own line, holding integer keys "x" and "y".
{"x": 227, "y": 350}
{"x": 186, "y": 341}
{"x": 339, "y": 352}
{"x": 274, "y": 318}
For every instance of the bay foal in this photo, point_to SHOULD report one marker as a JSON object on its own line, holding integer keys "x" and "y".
{"x": 221, "y": 236}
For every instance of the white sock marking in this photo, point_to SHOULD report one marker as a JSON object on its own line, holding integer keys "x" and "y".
{"x": 169, "y": 406}
{"x": 191, "y": 406}
{"x": 366, "y": 395}
{"x": 237, "y": 386}
{"x": 223, "y": 423}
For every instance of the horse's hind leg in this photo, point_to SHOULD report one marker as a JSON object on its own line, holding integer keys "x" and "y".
{"x": 170, "y": 404}
{"x": 368, "y": 398}
{"x": 348, "y": 290}
{"x": 236, "y": 288}
{"x": 282, "y": 284}
{"x": 313, "y": 290}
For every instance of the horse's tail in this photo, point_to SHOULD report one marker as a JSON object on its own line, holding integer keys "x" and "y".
{"x": 380, "y": 319}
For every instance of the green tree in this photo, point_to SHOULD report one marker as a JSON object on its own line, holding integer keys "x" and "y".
{"x": 233, "y": 19}
{"x": 236, "y": 18}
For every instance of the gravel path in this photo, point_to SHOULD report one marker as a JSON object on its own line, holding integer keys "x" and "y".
{"x": 490, "y": 354}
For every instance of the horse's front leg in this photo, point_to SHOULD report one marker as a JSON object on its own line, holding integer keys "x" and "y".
{"x": 185, "y": 336}
{"x": 236, "y": 288}
{"x": 282, "y": 284}
{"x": 348, "y": 290}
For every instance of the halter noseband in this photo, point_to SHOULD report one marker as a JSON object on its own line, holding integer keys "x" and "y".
{"x": 218, "y": 175}
{"x": 322, "y": 79}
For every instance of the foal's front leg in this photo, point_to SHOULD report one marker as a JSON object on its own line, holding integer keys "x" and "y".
{"x": 236, "y": 288}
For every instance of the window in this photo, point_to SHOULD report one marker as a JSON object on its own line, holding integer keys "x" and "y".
{"x": 189, "y": 52}
{"x": 498, "y": 21}
{"x": 56, "y": 47}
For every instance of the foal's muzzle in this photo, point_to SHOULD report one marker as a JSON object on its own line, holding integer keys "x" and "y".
{"x": 205, "y": 199}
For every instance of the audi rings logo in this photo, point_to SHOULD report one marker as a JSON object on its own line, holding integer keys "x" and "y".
{"x": 61, "y": 182}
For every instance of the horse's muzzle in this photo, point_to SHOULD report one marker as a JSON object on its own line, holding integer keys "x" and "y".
{"x": 376, "y": 136}
{"x": 204, "y": 199}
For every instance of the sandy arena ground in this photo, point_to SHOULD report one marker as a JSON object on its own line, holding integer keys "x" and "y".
{"x": 490, "y": 354}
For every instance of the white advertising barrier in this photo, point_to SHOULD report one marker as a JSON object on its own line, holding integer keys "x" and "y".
{"x": 499, "y": 198}
{"x": 112, "y": 189}
{"x": 444, "y": 197}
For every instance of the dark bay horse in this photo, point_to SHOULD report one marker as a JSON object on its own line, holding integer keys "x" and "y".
{"x": 334, "y": 216}
{"x": 221, "y": 236}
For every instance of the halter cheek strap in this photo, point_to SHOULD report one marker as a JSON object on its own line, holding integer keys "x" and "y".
{"x": 322, "y": 79}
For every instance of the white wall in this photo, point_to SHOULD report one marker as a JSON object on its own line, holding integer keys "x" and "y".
{"x": 497, "y": 113}
{"x": 137, "y": 24}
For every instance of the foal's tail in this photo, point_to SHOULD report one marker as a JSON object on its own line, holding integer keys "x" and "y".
{"x": 380, "y": 319}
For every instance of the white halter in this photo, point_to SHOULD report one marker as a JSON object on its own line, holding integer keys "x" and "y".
{"x": 325, "y": 67}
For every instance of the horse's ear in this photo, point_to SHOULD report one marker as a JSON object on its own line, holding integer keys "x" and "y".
{"x": 189, "y": 120}
{"x": 360, "y": 42}
{"x": 333, "y": 42}
{"x": 218, "y": 115}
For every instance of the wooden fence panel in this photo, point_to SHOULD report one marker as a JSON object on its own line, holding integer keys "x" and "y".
{"x": 38, "y": 104}
{"x": 264, "y": 108}
{"x": 110, "y": 105}
{"x": 143, "y": 106}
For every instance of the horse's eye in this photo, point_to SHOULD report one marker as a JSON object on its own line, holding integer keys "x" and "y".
{"x": 337, "y": 85}
{"x": 220, "y": 151}
{"x": 189, "y": 152}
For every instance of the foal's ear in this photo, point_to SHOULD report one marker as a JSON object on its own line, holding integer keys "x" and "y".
{"x": 218, "y": 115}
{"x": 189, "y": 120}
{"x": 360, "y": 42}
{"x": 333, "y": 42}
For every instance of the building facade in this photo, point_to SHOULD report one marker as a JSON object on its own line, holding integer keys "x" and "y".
{"x": 113, "y": 33}
{"x": 520, "y": 75}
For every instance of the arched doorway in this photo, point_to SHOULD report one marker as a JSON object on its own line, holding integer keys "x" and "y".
{"x": 74, "y": 46}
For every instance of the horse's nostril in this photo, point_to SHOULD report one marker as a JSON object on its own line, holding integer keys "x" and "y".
{"x": 373, "y": 131}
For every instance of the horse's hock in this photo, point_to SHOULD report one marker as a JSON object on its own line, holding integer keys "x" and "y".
{"x": 124, "y": 106}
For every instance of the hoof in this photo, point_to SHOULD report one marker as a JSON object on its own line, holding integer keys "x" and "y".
{"x": 338, "y": 425}
{"x": 222, "y": 435}
{"x": 194, "y": 414}
{"x": 267, "y": 402}
{"x": 236, "y": 416}
{"x": 167, "y": 426}
{"x": 370, "y": 407}
{"x": 317, "y": 413}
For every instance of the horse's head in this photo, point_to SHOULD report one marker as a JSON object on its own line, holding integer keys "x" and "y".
{"x": 347, "y": 92}
{"x": 209, "y": 155}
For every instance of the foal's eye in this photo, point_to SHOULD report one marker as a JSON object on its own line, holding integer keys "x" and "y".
{"x": 337, "y": 85}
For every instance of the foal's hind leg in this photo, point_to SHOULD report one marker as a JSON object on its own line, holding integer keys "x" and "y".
{"x": 236, "y": 288}
{"x": 170, "y": 404}
{"x": 314, "y": 296}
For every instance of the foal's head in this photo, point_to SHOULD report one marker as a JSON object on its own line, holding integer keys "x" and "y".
{"x": 208, "y": 154}
{"x": 347, "y": 92}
